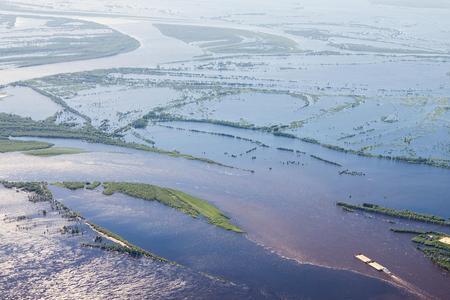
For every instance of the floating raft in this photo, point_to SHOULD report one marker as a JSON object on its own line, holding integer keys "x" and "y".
{"x": 372, "y": 263}
{"x": 363, "y": 258}
{"x": 376, "y": 266}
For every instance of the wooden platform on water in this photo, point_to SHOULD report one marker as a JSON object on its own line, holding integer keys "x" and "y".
{"x": 445, "y": 240}
{"x": 372, "y": 263}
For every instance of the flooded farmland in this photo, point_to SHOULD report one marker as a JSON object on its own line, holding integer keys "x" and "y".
{"x": 272, "y": 115}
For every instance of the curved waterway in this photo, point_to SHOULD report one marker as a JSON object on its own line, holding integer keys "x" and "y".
{"x": 288, "y": 210}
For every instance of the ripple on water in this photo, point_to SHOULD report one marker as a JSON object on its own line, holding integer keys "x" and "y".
{"x": 38, "y": 262}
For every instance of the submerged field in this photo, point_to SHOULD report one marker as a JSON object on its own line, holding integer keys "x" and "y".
{"x": 404, "y": 127}
{"x": 63, "y": 262}
{"x": 265, "y": 114}
{"x": 35, "y": 40}
{"x": 243, "y": 197}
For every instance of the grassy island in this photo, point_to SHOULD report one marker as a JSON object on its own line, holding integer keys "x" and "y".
{"x": 435, "y": 245}
{"x": 54, "y": 151}
{"x": 7, "y": 145}
{"x": 39, "y": 192}
{"x": 17, "y": 126}
{"x": 403, "y": 214}
{"x": 71, "y": 185}
{"x": 121, "y": 245}
{"x": 183, "y": 202}
{"x": 78, "y": 185}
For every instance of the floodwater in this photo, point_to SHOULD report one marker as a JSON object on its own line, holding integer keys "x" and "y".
{"x": 24, "y": 101}
{"x": 204, "y": 248}
{"x": 287, "y": 219}
{"x": 155, "y": 49}
{"x": 272, "y": 108}
{"x": 288, "y": 204}
{"x": 38, "y": 262}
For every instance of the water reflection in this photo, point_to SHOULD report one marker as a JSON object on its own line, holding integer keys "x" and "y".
{"x": 205, "y": 248}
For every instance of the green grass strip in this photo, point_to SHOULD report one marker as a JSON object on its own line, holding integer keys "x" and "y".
{"x": 7, "y": 145}
{"x": 54, "y": 151}
{"x": 183, "y": 202}
{"x": 403, "y": 214}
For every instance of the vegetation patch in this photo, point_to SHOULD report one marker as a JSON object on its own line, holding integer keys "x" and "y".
{"x": 7, "y": 145}
{"x": 71, "y": 229}
{"x": 92, "y": 185}
{"x": 123, "y": 245}
{"x": 285, "y": 149}
{"x": 71, "y": 185}
{"x": 409, "y": 231}
{"x": 433, "y": 245}
{"x": 185, "y": 203}
{"x": 325, "y": 160}
{"x": 13, "y": 125}
{"x": 121, "y": 249}
{"x": 78, "y": 185}
{"x": 403, "y": 214}
{"x": 351, "y": 173}
{"x": 54, "y": 151}
{"x": 39, "y": 192}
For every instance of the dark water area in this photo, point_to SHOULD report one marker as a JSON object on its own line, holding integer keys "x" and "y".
{"x": 231, "y": 256}
{"x": 289, "y": 209}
